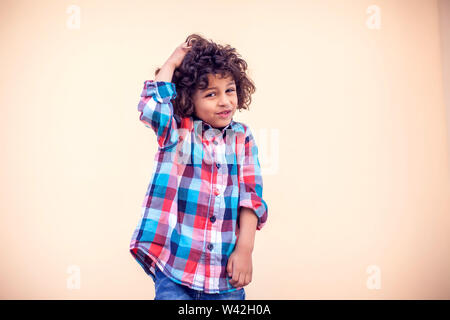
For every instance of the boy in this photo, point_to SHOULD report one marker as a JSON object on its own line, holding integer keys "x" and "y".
{"x": 204, "y": 202}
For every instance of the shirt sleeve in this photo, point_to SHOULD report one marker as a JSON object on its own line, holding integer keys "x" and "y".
{"x": 156, "y": 109}
{"x": 250, "y": 181}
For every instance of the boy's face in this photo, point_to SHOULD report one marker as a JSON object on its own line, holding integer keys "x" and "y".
{"x": 218, "y": 97}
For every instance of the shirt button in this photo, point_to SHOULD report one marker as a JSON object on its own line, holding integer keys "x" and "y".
{"x": 216, "y": 192}
{"x": 213, "y": 218}
{"x": 180, "y": 153}
{"x": 218, "y": 165}
{"x": 210, "y": 246}
{"x": 180, "y": 138}
{"x": 215, "y": 142}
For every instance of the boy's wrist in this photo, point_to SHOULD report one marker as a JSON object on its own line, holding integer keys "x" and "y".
{"x": 244, "y": 247}
{"x": 170, "y": 64}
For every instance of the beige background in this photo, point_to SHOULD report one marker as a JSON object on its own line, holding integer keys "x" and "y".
{"x": 361, "y": 193}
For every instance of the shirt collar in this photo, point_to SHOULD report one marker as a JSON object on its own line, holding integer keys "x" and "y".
{"x": 205, "y": 126}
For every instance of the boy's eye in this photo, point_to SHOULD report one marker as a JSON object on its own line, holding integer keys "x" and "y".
{"x": 213, "y": 92}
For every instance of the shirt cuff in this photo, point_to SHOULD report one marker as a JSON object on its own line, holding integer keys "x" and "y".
{"x": 259, "y": 207}
{"x": 161, "y": 91}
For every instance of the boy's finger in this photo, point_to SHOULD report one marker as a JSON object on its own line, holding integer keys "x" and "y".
{"x": 230, "y": 268}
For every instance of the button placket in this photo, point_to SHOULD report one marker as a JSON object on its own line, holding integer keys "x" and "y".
{"x": 220, "y": 180}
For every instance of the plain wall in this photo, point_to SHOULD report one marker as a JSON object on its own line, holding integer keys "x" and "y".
{"x": 350, "y": 122}
{"x": 444, "y": 28}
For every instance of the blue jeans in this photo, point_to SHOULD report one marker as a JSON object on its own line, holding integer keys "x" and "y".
{"x": 167, "y": 289}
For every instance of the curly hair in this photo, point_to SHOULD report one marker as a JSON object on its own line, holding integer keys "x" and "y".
{"x": 206, "y": 57}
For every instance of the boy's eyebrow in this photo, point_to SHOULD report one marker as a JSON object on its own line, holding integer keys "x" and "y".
{"x": 231, "y": 82}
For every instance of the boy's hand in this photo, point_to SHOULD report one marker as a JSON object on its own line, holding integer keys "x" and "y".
{"x": 239, "y": 267}
{"x": 178, "y": 55}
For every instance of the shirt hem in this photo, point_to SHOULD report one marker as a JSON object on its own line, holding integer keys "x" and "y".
{"x": 159, "y": 264}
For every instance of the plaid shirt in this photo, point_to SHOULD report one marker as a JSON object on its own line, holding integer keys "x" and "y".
{"x": 201, "y": 177}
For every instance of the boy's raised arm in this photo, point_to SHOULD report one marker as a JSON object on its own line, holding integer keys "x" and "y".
{"x": 155, "y": 106}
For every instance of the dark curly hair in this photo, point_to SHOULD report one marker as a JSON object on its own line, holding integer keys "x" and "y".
{"x": 206, "y": 57}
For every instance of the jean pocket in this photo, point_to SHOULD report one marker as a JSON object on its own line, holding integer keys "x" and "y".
{"x": 159, "y": 273}
{"x": 235, "y": 295}
{"x": 159, "y": 277}
{"x": 242, "y": 292}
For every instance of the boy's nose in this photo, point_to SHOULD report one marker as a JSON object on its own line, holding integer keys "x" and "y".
{"x": 224, "y": 101}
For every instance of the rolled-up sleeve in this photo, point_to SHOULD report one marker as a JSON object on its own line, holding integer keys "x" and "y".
{"x": 156, "y": 109}
{"x": 250, "y": 181}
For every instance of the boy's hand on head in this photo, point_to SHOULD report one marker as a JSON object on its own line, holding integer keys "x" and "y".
{"x": 239, "y": 267}
{"x": 178, "y": 55}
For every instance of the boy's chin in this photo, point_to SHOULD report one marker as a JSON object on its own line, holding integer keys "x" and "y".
{"x": 222, "y": 124}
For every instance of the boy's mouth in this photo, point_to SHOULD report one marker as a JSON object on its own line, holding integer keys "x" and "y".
{"x": 224, "y": 114}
